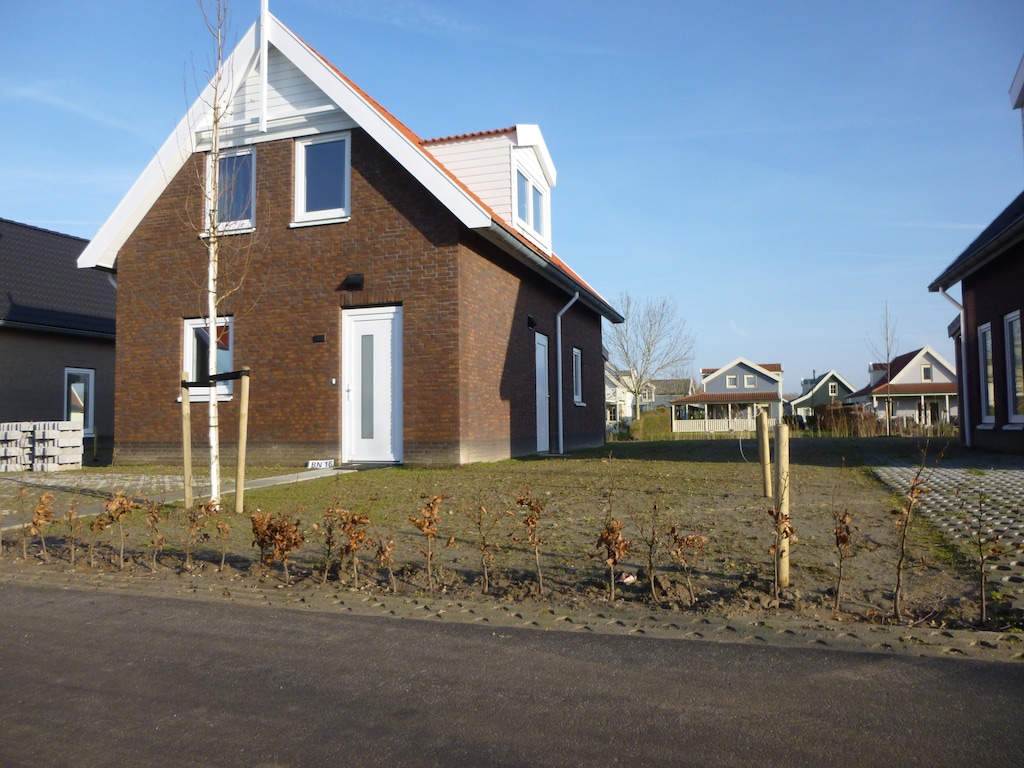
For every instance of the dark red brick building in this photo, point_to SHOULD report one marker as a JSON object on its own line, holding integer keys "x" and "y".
{"x": 397, "y": 300}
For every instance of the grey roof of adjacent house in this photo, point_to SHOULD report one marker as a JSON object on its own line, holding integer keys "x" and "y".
{"x": 1005, "y": 230}
{"x": 42, "y": 288}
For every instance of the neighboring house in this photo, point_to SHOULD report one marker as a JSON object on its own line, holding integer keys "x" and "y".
{"x": 56, "y": 332}
{"x": 987, "y": 334}
{"x": 403, "y": 302}
{"x": 618, "y": 398}
{"x": 919, "y": 386}
{"x": 730, "y": 398}
{"x": 664, "y": 391}
{"x": 827, "y": 388}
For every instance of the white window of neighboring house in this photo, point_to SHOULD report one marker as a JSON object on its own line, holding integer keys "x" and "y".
{"x": 1014, "y": 367}
{"x": 196, "y": 350}
{"x": 322, "y": 166}
{"x": 833, "y": 389}
{"x": 78, "y": 398}
{"x": 749, "y": 381}
{"x": 530, "y": 204}
{"x": 236, "y": 201}
{"x": 988, "y": 382}
{"x": 731, "y": 380}
{"x": 577, "y": 376}
{"x": 926, "y": 372}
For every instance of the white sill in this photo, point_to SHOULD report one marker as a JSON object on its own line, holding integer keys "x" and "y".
{"x": 204, "y": 235}
{"x": 578, "y": 404}
{"x": 317, "y": 222}
{"x": 206, "y": 398}
{"x": 1016, "y": 425}
{"x": 986, "y": 425}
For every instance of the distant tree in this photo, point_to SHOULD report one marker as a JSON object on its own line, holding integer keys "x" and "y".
{"x": 653, "y": 342}
{"x": 886, "y": 346}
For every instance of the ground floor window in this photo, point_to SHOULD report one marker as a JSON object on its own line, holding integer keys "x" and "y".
{"x": 196, "y": 355}
{"x": 1014, "y": 367}
{"x": 988, "y": 380}
{"x": 79, "y": 397}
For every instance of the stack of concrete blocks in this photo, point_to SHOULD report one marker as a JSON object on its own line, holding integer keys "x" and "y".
{"x": 41, "y": 446}
{"x": 56, "y": 445}
{"x": 16, "y": 446}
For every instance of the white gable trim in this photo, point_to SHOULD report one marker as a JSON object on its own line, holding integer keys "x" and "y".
{"x": 917, "y": 359}
{"x": 103, "y": 249}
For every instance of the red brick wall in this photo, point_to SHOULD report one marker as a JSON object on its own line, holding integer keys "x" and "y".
{"x": 458, "y": 394}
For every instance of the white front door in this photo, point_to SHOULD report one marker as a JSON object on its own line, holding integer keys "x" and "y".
{"x": 543, "y": 412}
{"x": 371, "y": 378}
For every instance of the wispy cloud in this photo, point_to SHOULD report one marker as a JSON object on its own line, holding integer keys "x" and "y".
{"x": 52, "y": 93}
{"x": 737, "y": 330}
{"x": 430, "y": 18}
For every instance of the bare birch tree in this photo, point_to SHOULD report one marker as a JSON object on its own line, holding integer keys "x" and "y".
{"x": 653, "y": 342}
{"x": 886, "y": 346}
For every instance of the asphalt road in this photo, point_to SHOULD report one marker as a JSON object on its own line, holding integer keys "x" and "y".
{"x": 101, "y": 679}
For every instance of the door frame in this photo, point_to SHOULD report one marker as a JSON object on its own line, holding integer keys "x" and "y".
{"x": 543, "y": 389}
{"x": 351, "y": 359}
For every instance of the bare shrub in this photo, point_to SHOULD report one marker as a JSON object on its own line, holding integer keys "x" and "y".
{"x": 277, "y": 536}
{"x": 616, "y": 547}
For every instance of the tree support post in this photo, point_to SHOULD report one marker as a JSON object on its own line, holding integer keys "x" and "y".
{"x": 243, "y": 432}
{"x": 782, "y": 502}
{"x": 764, "y": 453}
{"x": 186, "y": 439}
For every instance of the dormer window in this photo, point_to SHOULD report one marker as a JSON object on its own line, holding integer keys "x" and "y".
{"x": 530, "y": 203}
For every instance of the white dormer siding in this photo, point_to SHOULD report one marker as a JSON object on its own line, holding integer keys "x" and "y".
{"x": 489, "y": 164}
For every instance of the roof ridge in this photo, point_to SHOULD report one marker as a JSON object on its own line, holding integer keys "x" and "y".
{"x": 43, "y": 229}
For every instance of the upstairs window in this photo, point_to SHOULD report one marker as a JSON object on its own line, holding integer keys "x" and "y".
{"x": 926, "y": 373}
{"x": 749, "y": 381}
{"x": 1014, "y": 367}
{"x": 236, "y": 198}
{"x": 322, "y": 166}
{"x": 731, "y": 380}
{"x": 196, "y": 349}
{"x": 530, "y": 203}
{"x": 833, "y": 389}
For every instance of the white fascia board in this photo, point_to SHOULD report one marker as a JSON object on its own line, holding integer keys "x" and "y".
{"x": 397, "y": 144}
{"x": 928, "y": 351}
{"x": 744, "y": 361}
{"x": 529, "y": 135}
{"x": 102, "y": 250}
{"x": 1017, "y": 87}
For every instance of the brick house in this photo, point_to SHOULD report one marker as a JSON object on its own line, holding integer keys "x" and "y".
{"x": 987, "y": 331}
{"x": 56, "y": 333}
{"x": 401, "y": 301}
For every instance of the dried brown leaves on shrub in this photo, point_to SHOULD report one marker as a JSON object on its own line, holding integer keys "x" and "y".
{"x": 277, "y": 536}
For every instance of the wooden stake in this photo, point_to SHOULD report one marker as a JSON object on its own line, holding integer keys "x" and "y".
{"x": 764, "y": 453}
{"x": 186, "y": 439}
{"x": 243, "y": 432}
{"x": 782, "y": 499}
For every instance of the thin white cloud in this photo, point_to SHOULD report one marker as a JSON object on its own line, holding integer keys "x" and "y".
{"x": 51, "y": 93}
{"x": 431, "y": 18}
{"x": 737, "y": 330}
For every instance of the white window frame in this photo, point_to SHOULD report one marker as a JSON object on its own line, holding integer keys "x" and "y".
{"x": 531, "y": 217}
{"x": 1014, "y": 397}
{"x": 242, "y": 225}
{"x": 224, "y": 389}
{"x": 732, "y": 381}
{"x": 833, "y": 389}
{"x": 88, "y": 414}
{"x": 302, "y": 217}
{"x": 749, "y": 381}
{"x": 986, "y": 381}
{"x": 577, "y": 376}
{"x": 927, "y": 373}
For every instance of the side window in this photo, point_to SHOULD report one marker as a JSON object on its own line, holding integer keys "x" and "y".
{"x": 926, "y": 372}
{"x": 236, "y": 198}
{"x": 577, "y": 376}
{"x": 833, "y": 389}
{"x": 78, "y": 398}
{"x": 988, "y": 383}
{"x": 731, "y": 380}
{"x": 322, "y": 169}
{"x": 1014, "y": 367}
{"x": 749, "y": 381}
{"x": 196, "y": 355}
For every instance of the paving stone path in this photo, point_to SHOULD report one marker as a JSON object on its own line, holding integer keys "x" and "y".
{"x": 957, "y": 487}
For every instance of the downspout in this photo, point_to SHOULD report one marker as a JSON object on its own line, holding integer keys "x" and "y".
{"x": 965, "y": 421}
{"x": 558, "y": 363}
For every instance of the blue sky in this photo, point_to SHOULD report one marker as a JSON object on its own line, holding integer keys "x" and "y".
{"x": 780, "y": 169}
